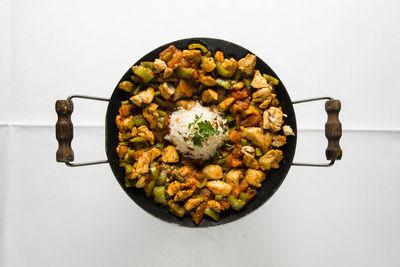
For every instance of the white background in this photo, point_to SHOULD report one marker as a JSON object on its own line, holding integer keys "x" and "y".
{"x": 347, "y": 215}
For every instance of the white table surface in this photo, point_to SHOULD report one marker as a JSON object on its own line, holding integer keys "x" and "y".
{"x": 52, "y": 215}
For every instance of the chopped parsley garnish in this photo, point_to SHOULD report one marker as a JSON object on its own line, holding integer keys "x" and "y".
{"x": 202, "y": 130}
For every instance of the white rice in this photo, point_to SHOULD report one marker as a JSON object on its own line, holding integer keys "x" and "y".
{"x": 179, "y": 131}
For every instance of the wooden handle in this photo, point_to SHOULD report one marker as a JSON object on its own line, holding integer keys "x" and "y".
{"x": 333, "y": 130}
{"x": 64, "y": 130}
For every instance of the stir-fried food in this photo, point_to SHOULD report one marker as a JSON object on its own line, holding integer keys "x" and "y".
{"x": 200, "y": 132}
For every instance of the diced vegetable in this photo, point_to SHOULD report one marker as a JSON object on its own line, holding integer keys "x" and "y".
{"x": 212, "y": 213}
{"x": 127, "y": 166}
{"x": 159, "y": 195}
{"x": 145, "y": 73}
{"x": 137, "y": 139}
{"x": 259, "y": 152}
{"x": 218, "y": 197}
{"x": 202, "y": 48}
{"x": 139, "y": 120}
{"x": 269, "y": 78}
{"x": 177, "y": 210}
{"x": 221, "y": 71}
{"x": 223, "y": 83}
{"x": 236, "y": 204}
{"x": 184, "y": 72}
{"x": 130, "y": 182}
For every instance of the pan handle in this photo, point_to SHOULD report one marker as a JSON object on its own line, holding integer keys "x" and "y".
{"x": 333, "y": 131}
{"x": 65, "y": 131}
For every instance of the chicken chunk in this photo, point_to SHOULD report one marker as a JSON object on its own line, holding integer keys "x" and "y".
{"x": 209, "y": 95}
{"x": 124, "y": 123}
{"x": 287, "y": 130}
{"x": 271, "y": 159}
{"x": 186, "y": 104}
{"x": 191, "y": 56}
{"x": 166, "y": 90}
{"x": 247, "y": 64}
{"x": 255, "y": 177}
{"x": 233, "y": 177}
{"x": 159, "y": 65}
{"x": 173, "y": 188}
{"x": 145, "y": 96}
{"x": 184, "y": 89}
{"x": 168, "y": 72}
{"x": 207, "y": 64}
{"x": 257, "y": 138}
{"x": 219, "y": 188}
{"x": 141, "y": 182}
{"x": 278, "y": 140}
{"x": 273, "y": 119}
{"x": 263, "y": 95}
{"x": 182, "y": 195}
{"x": 230, "y": 65}
{"x": 259, "y": 81}
{"x": 212, "y": 171}
{"x": 155, "y": 153}
{"x": 144, "y": 132}
{"x": 212, "y": 204}
{"x": 224, "y": 105}
{"x": 185, "y": 171}
{"x": 237, "y": 86}
{"x": 249, "y": 157}
{"x": 207, "y": 80}
{"x": 125, "y": 110}
{"x": 151, "y": 115}
{"x": 169, "y": 155}
{"x": 142, "y": 165}
{"x": 192, "y": 203}
{"x": 122, "y": 148}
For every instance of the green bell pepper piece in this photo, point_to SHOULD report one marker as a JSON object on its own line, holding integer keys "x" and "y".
{"x": 159, "y": 195}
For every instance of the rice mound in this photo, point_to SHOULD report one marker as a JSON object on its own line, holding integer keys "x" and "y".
{"x": 180, "y": 134}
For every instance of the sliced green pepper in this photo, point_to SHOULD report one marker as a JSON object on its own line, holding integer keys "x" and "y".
{"x": 238, "y": 74}
{"x": 247, "y": 83}
{"x": 128, "y": 167}
{"x": 154, "y": 170}
{"x": 159, "y": 195}
{"x": 129, "y": 157}
{"x": 163, "y": 104}
{"x": 148, "y": 189}
{"x": 236, "y": 204}
{"x": 212, "y": 213}
{"x": 220, "y": 70}
{"x": 243, "y": 196}
{"x": 259, "y": 152}
{"x": 137, "y": 139}
{"x": 202, "y": 48}
{"x": 243, "y": 142}
{"x": 145, "y": 73}
{"x": 130, "y": 182}
{"x": 218, "y": 197}
{"x": 167, "y": 56}
{"x": 203, "y": 183}
{"x": 177, "y": 210}
{"x": 137, "y": 89}
{"x": 162, "y": 177}
{"x": 229, "y": 118}
{"x": 139, "y": 120}
{"x": 269, "y": 78}
{"x": 223, "y": 83}
{"x": 183, "y": 72}
{"x": 160, "y": 145}
{"x": 147, "y": 64}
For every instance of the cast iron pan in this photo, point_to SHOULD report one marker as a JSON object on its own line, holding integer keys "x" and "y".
{"x": 64, "y": 133}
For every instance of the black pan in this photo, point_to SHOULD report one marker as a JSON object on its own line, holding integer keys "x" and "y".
{"x": 269, "y": 186}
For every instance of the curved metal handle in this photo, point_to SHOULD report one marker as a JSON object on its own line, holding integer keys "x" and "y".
{"x": 333, "y": 131}
{"x": 65, "y": 131}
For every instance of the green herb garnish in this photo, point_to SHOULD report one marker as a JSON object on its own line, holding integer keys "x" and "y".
{"x": 202, "y": 130}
